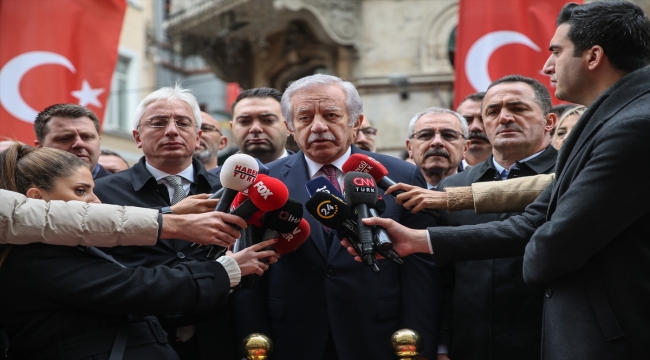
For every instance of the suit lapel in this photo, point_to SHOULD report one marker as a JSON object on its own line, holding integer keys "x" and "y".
{"x": 295, "y": 173}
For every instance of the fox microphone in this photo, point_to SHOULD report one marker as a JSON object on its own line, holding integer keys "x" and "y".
{"x": 366, "y": 164}
{"x": 265, "y": 194}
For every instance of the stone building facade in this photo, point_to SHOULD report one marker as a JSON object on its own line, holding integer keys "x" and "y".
{"x": 397, "y": 52}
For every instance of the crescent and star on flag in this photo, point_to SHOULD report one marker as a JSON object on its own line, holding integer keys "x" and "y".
{"x": 13, "y": 71}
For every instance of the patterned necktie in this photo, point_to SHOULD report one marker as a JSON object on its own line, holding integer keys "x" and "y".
{"x": 330, "y": 173}
{"x": 177, "y": 184}
{"x": 183, "y": 333}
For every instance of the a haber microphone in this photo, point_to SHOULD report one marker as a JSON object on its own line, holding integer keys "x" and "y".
{"x": 361, "y": 194}
{"x": 366, "y": 164}
{"x": 238, "y": 172}
{"x": 333, "y": 212}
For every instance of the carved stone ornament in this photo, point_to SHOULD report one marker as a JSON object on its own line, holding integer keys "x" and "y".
{"x": 339, "y": 19}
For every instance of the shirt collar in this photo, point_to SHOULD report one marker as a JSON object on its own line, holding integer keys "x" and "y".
{"x": 314, "y": 167}
{"x": 284, "y": 154}
{"x": 187, "y": 174}
{"x": 514, "y": 166}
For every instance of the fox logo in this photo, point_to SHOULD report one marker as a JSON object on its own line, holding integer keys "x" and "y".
{"x": 263, "y": 190}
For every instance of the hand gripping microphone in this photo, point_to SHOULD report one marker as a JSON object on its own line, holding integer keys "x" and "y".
{"x": 266, "y": 193}
{"x": 382, "y": 242}
{"x": 361, "y": 193}
{"x": 238, "y": 172}
{"x": 333, "y": 212}
{"x": 366, "y": 164}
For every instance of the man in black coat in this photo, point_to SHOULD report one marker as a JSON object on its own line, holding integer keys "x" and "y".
{"x": 167, "y": 130}
{"x": 493, "y": 314}
{"x": 586, "y": 236}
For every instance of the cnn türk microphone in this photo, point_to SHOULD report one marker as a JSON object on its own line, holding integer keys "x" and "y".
{"x": 292, "y": 240}
{"x": 366, "y": 164}
{"x": 238, "y": 172}
{"x": 361, "y": 193}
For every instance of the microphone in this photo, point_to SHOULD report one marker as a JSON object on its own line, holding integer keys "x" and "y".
{"x": 361, "y": 193}
{"x": 265, "y": 194}
{"x": 283, "y": 220}
{"x": 333, "y": 212}
{"x": 292, "y": 240}
{"x": 262, "y": 170}
{"x": 321, "y": 184}
{"x": 381, "y": 239}
{"x": 366, "y": 164}
{"x": 238, "y": 172}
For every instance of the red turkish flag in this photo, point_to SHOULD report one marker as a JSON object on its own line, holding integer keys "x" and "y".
{"x": 55, "y": 51}
{"x": 503, "y": 37}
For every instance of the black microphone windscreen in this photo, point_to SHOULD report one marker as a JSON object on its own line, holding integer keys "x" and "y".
{"x": 360, "y": 188}
{"x": 329, "y": 210}
{"x": 284, "y": 219}
{"x": 380, "y": 205}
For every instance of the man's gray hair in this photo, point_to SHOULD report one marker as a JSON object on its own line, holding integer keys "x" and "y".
{"x": 436, "y": 110}
{"x": 352, "y": 99}
{"x": 169, "y": 93}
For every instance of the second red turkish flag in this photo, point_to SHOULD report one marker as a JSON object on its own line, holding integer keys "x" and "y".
{"x": 55, "y": 51}
{"x": 502, "y": 37}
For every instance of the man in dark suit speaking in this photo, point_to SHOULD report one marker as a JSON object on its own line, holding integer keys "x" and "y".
{"x": 586, "y": 236}
{"x": 317, "y": 302}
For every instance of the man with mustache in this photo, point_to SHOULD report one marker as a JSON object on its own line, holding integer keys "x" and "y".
{"x": 436, "y": 142}
{"x": 479, "y": 146}
{"x": 493, "y": 313}
{"x": 72, "y": 128}
{"x": 318, "y": 300}
{"x": 212, "y": 140}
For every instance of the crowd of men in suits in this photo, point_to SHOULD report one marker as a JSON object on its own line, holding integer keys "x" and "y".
{"x": 562, "y": 279}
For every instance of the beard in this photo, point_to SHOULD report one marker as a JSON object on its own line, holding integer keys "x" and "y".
{"x": 205, "y": 155}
